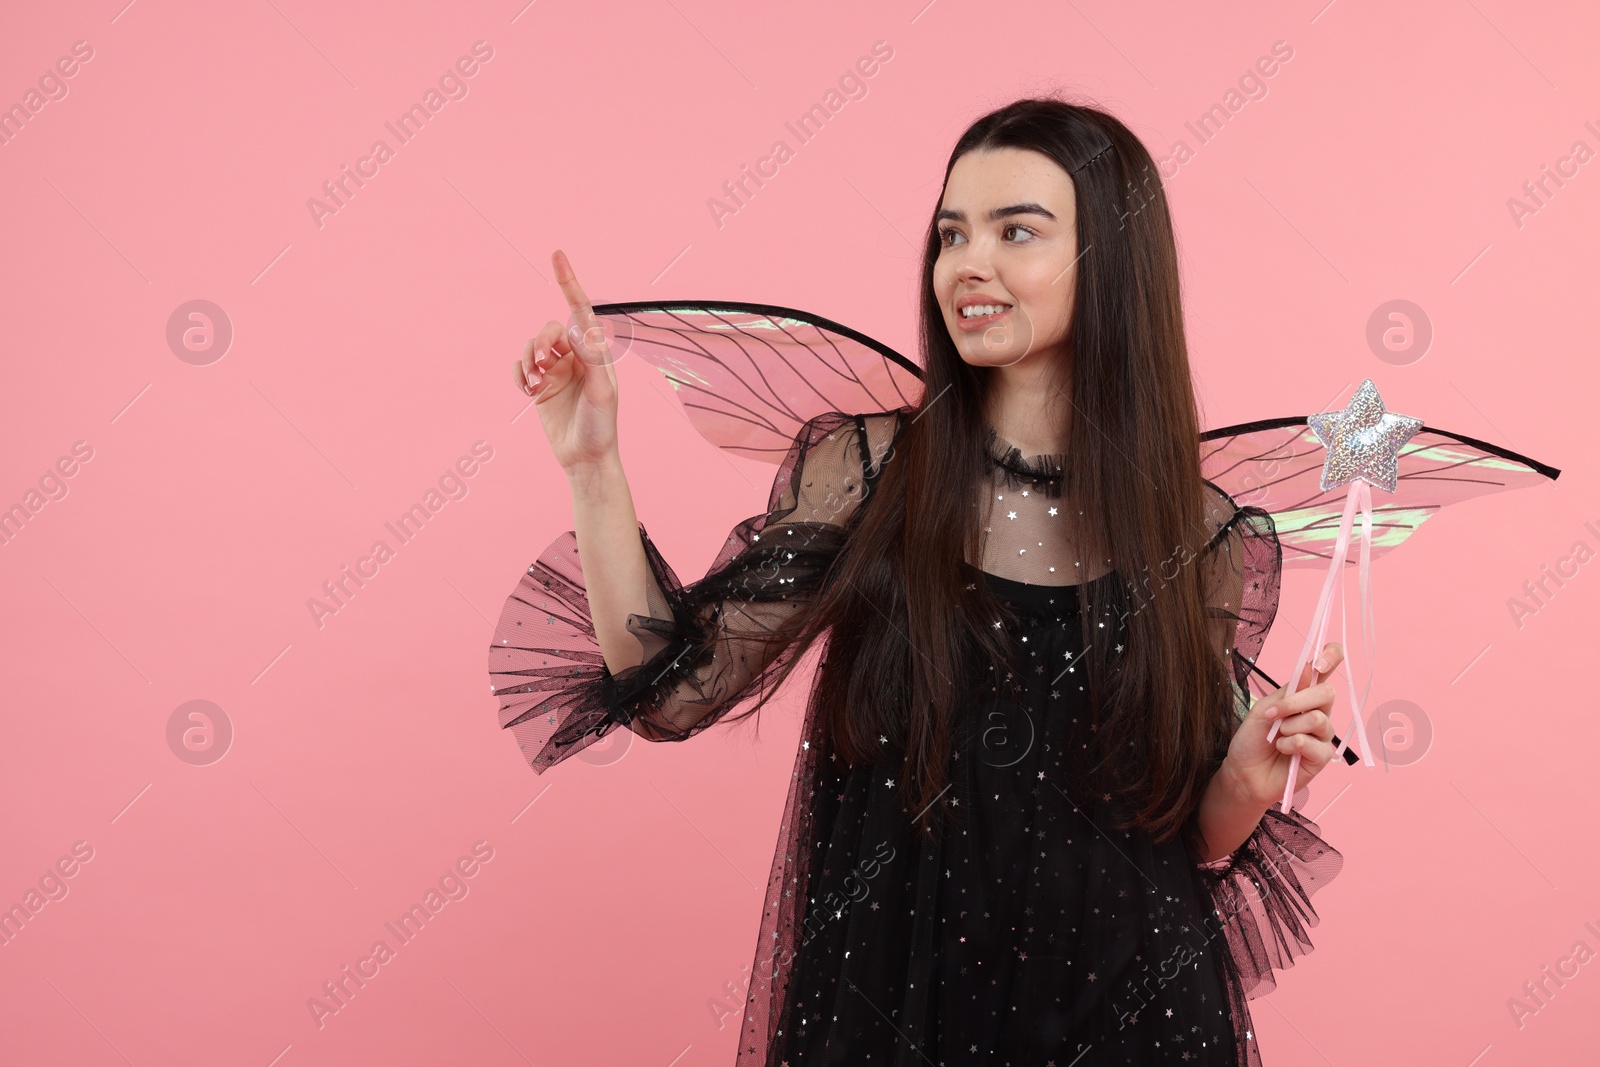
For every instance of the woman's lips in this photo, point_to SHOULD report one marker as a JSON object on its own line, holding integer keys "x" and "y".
{"x": 980, "y": 322}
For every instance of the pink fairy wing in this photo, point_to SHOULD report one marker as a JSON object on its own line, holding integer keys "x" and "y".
{"x": 1276, "y": 465}
{"x": 750, "y": 375}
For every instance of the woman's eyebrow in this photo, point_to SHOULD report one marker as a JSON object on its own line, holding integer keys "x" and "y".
{"x": 998, "y": 213}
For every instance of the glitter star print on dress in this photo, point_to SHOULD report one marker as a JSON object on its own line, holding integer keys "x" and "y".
{"x": 1035, "y": 932}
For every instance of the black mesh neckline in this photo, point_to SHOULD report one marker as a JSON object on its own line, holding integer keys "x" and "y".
{"x": 1043, "y": 470}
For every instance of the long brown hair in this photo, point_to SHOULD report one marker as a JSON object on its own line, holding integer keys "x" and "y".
{"x": 903, "y": 635}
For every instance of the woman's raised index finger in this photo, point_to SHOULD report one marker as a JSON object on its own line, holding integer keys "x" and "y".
{"x": 582, "y": 310}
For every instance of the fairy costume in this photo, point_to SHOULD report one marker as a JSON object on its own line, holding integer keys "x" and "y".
{"x": 1032, "y": 931}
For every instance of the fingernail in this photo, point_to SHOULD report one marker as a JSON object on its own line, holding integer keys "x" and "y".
{"x": 1271, "y": 712}
{"x": 1322, "y": 664}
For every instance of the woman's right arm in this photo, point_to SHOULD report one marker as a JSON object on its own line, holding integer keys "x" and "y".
{"x": 573, "y": 382}
{"x": 606, "y": 528}
{"x": 580, "y": 649}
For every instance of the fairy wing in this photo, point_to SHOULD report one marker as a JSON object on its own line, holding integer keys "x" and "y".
{"x": 751, "y": 375}
{"x": 1276, "y": 465}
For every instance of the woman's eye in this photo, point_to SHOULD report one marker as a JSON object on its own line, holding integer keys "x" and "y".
{"x": 947, "y": 236}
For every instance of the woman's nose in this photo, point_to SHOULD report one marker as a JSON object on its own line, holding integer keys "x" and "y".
{"x": 974, "y": 263}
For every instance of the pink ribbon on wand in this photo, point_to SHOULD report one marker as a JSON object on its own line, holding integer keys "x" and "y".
{"x": 1359, "y": 495}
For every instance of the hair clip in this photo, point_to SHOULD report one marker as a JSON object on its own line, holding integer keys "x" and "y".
{"x": 1092, "y": 158}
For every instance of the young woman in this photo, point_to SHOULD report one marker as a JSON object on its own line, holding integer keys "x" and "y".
{"x": 1033, "y": 815}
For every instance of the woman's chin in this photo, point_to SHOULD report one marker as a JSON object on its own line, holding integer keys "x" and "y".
{"x": 978, "y": 351}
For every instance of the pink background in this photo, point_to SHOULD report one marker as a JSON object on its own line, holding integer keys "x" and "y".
{"x": 372, "y": 351}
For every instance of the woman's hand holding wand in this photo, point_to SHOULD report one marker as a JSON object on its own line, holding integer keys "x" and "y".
{"x": 1305, "y": 726}
{"x": 1255, "y": 771}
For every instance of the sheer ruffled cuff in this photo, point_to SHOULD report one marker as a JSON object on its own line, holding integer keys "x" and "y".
{"x": 1261, "y": 894}
{"x": 708, "y": 646}
{"x": 556, "y": 694}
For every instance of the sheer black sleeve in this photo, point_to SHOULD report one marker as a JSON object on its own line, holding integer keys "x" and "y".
{"x": 1244, "y": 566}
{"x": 1261, "y": 892}
{"x": 709, "y": 645}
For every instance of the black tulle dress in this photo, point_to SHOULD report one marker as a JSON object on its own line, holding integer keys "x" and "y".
{"x": 1026, "y": 932}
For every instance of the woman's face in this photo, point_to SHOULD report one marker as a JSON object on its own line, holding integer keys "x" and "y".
{"x": 1009, "y": 240}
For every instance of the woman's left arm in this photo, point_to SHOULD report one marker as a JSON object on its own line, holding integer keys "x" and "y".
{"x": 1258, "y": 865}
{"x": 1255, "y": 771}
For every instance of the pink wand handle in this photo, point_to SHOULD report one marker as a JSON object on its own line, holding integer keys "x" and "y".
{"x": 1359, "y": 495}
